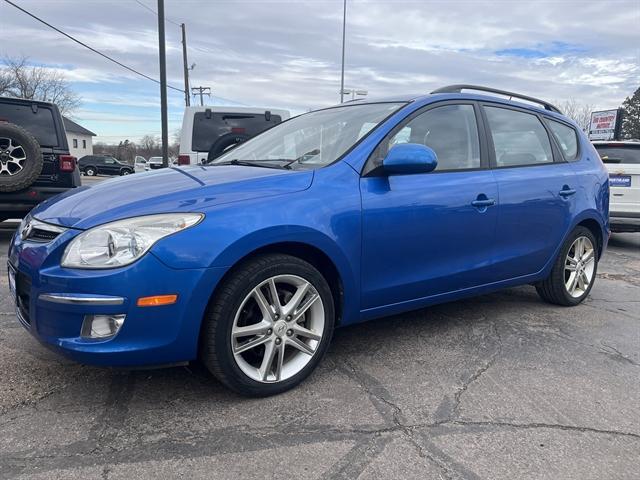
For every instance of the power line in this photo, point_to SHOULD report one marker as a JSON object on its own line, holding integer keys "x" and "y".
{"x": 89, "y": 47}
{"x": 154, "y": 12}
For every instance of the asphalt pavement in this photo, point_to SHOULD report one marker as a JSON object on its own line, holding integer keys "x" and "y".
{"x": 501, "y": 386}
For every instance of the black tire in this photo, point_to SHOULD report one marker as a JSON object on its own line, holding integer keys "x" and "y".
{"x": 125, "y": 171}
{"x": 215, "y": 347}
{"x": 90, "y": 171}
{"x": 17, "y": 137}
{"x": 224, "y": 143}
{"x": 553, "y": 289}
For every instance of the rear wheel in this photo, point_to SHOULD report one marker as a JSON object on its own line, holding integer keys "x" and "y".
{"x": 268, "y": 326}
{"x": 20, "y": 158}
{"x": 90, "y": 171}
{"x": 574, "y": 272}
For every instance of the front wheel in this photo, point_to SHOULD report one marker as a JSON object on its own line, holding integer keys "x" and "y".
{"x": 574, "y": 272}
{"x": 268, "y": 326}
{"x": 125, "y": 172}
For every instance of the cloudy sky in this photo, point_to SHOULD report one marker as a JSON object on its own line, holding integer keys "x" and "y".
{"x": 287, "y": 53}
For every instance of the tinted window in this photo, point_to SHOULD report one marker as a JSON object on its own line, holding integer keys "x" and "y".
{"x": 208, "y": 130}
{"x": 451, "y": 131}
{"x": 619, "y": 154}
{"x": 39, "y": 124}
{"x": 566, "y": 137}
{"x": 518, "y": 138}
{"x": 75, "y": 143}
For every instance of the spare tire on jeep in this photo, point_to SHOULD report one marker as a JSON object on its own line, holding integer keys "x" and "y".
{"x": 224, "y": 143}
{"x": 20, "y": 158}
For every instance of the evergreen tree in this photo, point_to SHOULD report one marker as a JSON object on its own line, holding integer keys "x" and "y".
{"x": 631, "y": 116}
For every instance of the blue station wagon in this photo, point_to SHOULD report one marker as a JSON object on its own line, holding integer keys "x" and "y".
{"x": 334, "y": 217}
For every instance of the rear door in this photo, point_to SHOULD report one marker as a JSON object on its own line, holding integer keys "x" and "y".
{"x": 216, "y": 132}
{"x": 536, "y": 187}
{"x": 623, "y": 163}
{"x": 43, "y": 122}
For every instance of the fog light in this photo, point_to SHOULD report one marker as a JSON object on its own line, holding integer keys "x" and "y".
{"x": 101, "y": 326}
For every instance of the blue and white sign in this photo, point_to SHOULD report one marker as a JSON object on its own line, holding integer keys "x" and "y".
{"x": 620, "y": 181}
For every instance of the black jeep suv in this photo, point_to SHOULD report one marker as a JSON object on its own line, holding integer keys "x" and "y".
{"x": 35, "y": 163}
{"x": 103, "y": 165}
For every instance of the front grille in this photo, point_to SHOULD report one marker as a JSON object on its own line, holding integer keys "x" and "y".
{"x": 23, "y": 297}
{"x": 40, "y": 232}
{"x": 40, "y": 235}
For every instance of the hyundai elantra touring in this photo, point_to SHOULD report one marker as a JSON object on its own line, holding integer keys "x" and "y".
{"x": 334, "y": 217}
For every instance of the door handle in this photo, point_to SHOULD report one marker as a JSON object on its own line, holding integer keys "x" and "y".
{"x": 566, "y": 191}
{"x": 485, "y": 202}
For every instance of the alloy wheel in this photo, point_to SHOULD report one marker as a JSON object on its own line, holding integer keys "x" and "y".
{"x": 278, "y": 328}
{"x": 12, "y": 156}
{"x": 579, "y": 267}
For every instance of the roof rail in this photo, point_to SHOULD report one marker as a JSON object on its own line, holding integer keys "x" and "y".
{"x": 459, "y": 88}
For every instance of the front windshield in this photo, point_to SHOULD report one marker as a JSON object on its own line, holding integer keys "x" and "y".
{"x": 311, "y": 140}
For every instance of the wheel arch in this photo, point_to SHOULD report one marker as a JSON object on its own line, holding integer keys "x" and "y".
{"x": 310, "y": 245}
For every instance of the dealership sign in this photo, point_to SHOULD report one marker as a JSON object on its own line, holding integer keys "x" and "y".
{"x": 605, "y": 125}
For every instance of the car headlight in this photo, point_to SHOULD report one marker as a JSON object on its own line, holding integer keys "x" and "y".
{"x": 120, "y": 243}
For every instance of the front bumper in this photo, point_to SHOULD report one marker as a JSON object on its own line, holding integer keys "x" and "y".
{"x": 52, "y": 303}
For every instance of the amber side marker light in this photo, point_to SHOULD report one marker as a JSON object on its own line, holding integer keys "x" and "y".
{"x": 157, "y": 300}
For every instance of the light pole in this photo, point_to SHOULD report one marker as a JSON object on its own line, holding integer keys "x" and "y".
{"x": 163, "y": 85}
{"x": 344, "y": 29}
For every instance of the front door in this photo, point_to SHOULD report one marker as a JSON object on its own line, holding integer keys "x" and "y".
{"x": 430, "y": 233}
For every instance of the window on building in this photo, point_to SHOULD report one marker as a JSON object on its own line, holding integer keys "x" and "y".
{"x": 75, "y": 143}
{"x": 84, "y": 144}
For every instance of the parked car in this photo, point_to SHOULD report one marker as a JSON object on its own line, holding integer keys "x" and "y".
{"x": 93, "y": 165}
{"x": 154, "y": 163}
{"x": 35, "y": 163}
{"x": 140, "y": 164}
{"x": 332, "y": 218}
{"x": 622, "y": 160}
{"x": 207, "y": 132}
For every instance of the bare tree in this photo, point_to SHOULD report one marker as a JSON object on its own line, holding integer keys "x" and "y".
{"x": 19, "y": 79}
{"x": 578, "y": 112}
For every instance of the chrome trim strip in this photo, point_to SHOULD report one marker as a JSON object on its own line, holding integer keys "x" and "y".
{"x": 47, "y": 227}
{"x": 80, "y": 300}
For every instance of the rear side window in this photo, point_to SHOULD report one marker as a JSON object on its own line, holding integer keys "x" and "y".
{"x": 519, "y": 138}
{"x": 451, "y": 131}
{"x": 209, "y": 128}
{"x": 40, "y": 124}
{"x": 619, "y": 154}
{"x": 567, "y": 138}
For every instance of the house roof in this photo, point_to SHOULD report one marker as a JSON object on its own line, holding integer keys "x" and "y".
{"x": 71, "y": 126}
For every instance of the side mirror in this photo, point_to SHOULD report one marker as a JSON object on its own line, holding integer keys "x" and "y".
{"x": 408, "y": 158}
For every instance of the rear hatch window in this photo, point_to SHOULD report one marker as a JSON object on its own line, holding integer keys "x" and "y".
{"x": 39, "y": 123}
{"x": 627, "y": 154}
{"x": 207, "y": 130}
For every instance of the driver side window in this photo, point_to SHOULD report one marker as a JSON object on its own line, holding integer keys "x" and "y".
{"x": 451, "y": 131}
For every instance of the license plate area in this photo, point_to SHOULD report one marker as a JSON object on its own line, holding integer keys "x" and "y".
{"x": 619, "y": 180}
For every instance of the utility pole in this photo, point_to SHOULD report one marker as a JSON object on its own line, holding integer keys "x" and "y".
{"x": 163, "y": 85}
{"x": 201, "y": 91}
{"x": 344, "y": 29}
{"x": 187, "y": 97}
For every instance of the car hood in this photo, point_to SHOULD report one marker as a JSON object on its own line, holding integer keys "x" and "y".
{"x": 184, "y": 189}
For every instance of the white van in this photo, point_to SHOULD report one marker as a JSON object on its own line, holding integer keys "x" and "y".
{"x": 210, "y": 130}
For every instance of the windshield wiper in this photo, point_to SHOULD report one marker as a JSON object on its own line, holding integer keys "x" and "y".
{"x": 253, "y": 163}
{"x": 311, "y": 153}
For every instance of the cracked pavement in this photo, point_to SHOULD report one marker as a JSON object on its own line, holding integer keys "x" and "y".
{"x": 501, "y": 386}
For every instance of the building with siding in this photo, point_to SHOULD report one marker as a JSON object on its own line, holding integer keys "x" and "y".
{"x": 79, "y": 138}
